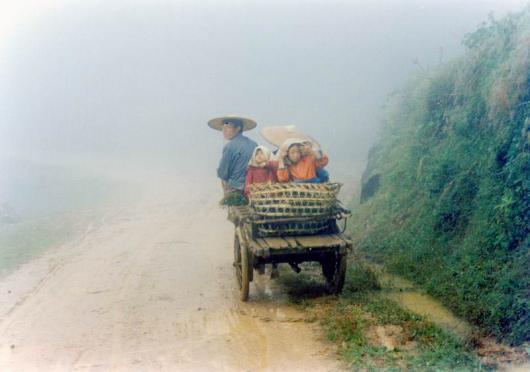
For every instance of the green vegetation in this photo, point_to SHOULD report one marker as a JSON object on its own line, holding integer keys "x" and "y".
{"x": 234, "y": 199}
{"x": 374, "y": 332}
{"x": 451, "y": 211}
{"x": 20, "y": 242}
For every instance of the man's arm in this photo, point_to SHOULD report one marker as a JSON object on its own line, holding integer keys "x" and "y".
{"x": 223, "y": 171}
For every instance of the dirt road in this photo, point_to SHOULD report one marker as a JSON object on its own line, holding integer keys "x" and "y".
{"x": 150, "y": 286}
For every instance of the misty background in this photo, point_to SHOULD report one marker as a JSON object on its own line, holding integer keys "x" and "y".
{"x": 92, "y": 93}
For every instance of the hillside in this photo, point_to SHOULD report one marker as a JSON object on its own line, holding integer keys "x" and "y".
{"x": 445, "y": 199}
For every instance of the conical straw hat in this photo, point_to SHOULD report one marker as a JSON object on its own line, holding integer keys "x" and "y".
{"x": 218, "y": 123}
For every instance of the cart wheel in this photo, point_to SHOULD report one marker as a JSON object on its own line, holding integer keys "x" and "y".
{"x": 334, "y": 270}
{"x": 241, "y": 264}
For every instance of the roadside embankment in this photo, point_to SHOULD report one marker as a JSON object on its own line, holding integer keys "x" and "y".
{"x": 445, "y": 199}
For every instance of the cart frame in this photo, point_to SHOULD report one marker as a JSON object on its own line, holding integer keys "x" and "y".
{"x": 251, "y": 252}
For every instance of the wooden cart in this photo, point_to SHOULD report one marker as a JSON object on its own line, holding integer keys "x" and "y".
{"x": 253, "y": 251}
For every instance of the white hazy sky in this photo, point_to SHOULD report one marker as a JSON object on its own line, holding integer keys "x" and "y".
{"x": 138, "y": 80}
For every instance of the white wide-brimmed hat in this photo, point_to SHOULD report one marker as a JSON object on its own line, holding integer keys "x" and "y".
{"x": 278, "y": 135}
{"x": 246, "y": 124}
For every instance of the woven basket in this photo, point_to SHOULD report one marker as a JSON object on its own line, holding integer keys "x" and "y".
{"x": 293, "y": 208}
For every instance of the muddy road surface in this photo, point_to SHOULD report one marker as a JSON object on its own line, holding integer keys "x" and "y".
{"x": 149, "y": 285}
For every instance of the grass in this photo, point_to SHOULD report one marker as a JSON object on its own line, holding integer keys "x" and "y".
{"x": 20, "y": 242}
{"x": 432, "y": 347}
{"x": 354, "y": 319}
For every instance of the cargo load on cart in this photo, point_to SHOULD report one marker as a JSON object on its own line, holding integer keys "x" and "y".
{"x": 290, "y": 223}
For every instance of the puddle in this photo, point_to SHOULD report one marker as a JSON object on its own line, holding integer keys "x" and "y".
{"x": 404, "y": 293}
{"x": 491, "y": 353}
{"x": 429, "y": 308}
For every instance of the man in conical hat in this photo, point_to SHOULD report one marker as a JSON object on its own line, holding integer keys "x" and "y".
{"x": 237, "y": 151}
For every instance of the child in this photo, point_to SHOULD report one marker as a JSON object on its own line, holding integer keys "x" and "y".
{"x": 307, "y": 148}
{"x": 299, "y": 163}
{"x": 260, "y": 169}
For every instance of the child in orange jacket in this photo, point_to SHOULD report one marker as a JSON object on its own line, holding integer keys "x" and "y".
{"x": 299, "y": 163}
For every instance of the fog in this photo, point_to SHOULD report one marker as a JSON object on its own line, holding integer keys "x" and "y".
{"x": 89, "y": 89}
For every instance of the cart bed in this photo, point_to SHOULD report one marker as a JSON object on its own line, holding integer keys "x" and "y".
{"x": 280, "y": 245}
{"x": 297, "y": 244}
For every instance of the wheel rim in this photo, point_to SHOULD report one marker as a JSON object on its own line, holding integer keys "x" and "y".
{"x": 237, "y": 260}
{"x": 334, "y": 270}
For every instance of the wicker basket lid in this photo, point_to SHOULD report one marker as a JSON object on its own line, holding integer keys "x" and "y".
{"x": 277, "y": 135}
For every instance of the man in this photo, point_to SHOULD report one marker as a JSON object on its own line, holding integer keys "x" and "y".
{"x": 237, "y": 151}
